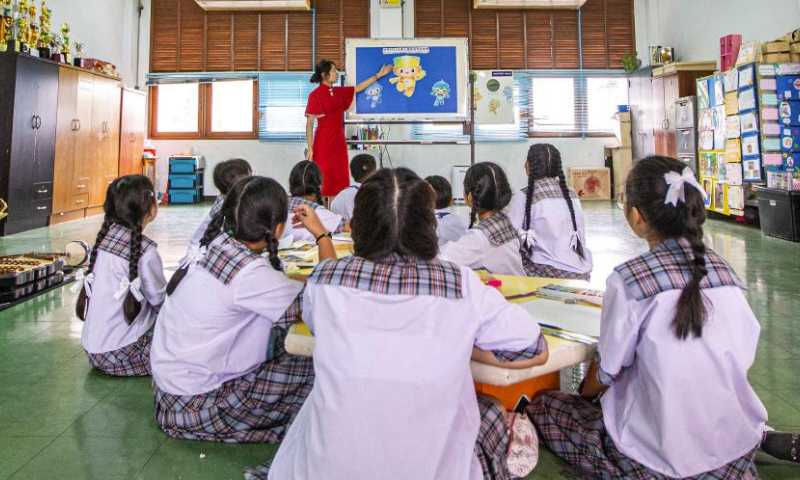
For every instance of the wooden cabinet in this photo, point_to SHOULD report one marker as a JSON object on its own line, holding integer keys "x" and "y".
{"x": 132, "y": 131}
{"x": 87, "y": 142}
{"x": 653, "y": 96}
{"x": 28, "y": 93}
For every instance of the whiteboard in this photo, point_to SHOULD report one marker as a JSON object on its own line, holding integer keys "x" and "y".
{"x": 429, "y": 81}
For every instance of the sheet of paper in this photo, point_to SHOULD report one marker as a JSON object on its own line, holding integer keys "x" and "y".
{"x": 573, "y": 318}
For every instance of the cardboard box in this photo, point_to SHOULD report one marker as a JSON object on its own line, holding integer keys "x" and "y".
{"x": 621, "y": 165}
{"x": 796, "y": 35}
{"x": 794, "y": 48}
{"x": 790, "y": 114}
{"x": 622, "y": 129}
{"x": 794, "y": 57}
{"x": 777, "y": 58}
{"x": 775, "y": 47}
{"x": 591, "y": 183}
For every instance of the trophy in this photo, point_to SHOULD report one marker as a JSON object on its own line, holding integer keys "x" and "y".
{"x": 80, "y": 50}
{"x": 6, "y": 22}
{"x": 33, "y": 31}
{"x": 21, "y": 33}
{"x": 44, "y": 32}
{"x": 65, "y": 44}
{"x": 56, "y": 44}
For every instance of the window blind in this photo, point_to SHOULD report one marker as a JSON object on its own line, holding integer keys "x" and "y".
{"x": 282, "y": 102}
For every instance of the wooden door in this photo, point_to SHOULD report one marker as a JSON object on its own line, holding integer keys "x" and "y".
{"x": 671, "y": 96}
{"x": 132, "y": 129}
{"x": 111, "y": 163}
{"x": 84, "y": 139}
{"x": 66, "y": 133}
{"x": 99, "y": 142}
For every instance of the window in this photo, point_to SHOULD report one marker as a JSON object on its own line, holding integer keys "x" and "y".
{"x": 553, "y": 105}
{"x": 604, "y": 95}
{"x": 282, "y": 101}
{"x": 179, "y": 107}
{"x": 203, "y": 108}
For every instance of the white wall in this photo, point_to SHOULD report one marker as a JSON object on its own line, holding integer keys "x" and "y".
{"x": 694, "y": 27}
{"x": 107, "y": 27}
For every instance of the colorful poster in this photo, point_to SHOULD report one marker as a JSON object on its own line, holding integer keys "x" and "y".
{"x": 494, "y": 97}
{"x": 708, "y": 186}
{"x": 752, "y": 170}
{"x": 428, "y": 78}
{"x": 734, "y": 173}
{"x": 721, "y": 197}
{"x": 736, "y": 199}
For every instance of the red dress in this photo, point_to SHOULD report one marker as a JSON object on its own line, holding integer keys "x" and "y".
{"x": 328, "y": 105}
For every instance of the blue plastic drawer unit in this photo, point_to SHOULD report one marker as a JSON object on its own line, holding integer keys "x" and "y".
{"x": 189, "y": 181}
{"x": 185, "y": 197}
{"x": 185, "y": 164}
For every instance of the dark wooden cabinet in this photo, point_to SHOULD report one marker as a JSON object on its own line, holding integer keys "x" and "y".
{"x": 28, "y": 99}
{"x": 653, "y": 97}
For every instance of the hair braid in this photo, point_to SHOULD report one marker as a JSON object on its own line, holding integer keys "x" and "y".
{"x": 272, "y": 250}
{"x": 526, "y": 225}
{"x": 213, "y": 230}
{"x": 562, "y": 181}
{"x": 82, "y": 305}
{"x": 131, "y": 306}
{"x": 691, "y": 307}
{"x": 318, "y": 195}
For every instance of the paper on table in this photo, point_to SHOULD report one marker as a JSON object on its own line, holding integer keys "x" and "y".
{"x": 573, "y": 318}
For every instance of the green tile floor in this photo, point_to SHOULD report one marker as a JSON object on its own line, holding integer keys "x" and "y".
{"x": 59, "y": 419}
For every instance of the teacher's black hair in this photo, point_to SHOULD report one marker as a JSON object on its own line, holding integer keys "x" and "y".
{"x": 393, "y": 214}
{"x": 322, "y": 68}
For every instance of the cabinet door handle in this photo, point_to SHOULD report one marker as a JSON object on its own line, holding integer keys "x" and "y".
{"x": 78, "y": 202}
{"x": 133, "y": 137}
{"x": 41, "y": 208}
{"x": 33, "y": 122}
{"x": 39, "y": 124}
{"x": 79, "y": 124}
{"x": 42, "y": 191}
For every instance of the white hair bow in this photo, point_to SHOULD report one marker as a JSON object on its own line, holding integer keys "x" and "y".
{"x": 527, "y": 237}
{"x": 677, "y": 183}
{"x": 194, "y": 255}
{"x": 135, "y": 287}
{"x": 573, "y": 241}
{"x": 83, "y": 280}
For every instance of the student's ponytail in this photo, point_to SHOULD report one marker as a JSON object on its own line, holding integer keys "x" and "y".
{"x": 562, "y": 181}
{"x": 646, "y": 190}
{"x": 82, "y": 305}
{"x": 489, "y": 187}
{"x": 132, "y": 307}
{"x": 272, "y": 250}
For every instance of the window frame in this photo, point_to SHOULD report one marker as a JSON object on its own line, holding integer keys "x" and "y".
{"x": 204, "y": 117}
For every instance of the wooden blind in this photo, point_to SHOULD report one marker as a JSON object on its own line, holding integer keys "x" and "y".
{"x": 186, "y": 38}
{"x": 533, "y": 38}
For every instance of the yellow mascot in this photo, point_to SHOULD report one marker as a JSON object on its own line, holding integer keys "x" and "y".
{"x": 409, "y": 72}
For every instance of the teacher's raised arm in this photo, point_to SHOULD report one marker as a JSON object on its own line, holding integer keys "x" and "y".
{"x": 327, "y": 147}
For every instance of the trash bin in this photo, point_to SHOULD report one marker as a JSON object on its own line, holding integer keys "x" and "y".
{"x": 779, "y": 211}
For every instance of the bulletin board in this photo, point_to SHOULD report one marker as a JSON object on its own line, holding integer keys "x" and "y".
{"x": 429, "y": 80}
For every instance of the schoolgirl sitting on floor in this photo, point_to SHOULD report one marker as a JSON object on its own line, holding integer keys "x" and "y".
{"x": 549, "y": 217}
{"x": 395, "y": 329}
{"x": 220, "y": 370}
{"x": 305, "y": 186}
{"x": 123, "y": 287}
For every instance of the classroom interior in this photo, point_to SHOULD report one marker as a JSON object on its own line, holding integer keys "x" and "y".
{"x": 606, "y": 82}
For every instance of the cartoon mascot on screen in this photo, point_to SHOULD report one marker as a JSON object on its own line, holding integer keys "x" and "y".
{"x": 409, "y": 72}
{"x": 440, "y": 90}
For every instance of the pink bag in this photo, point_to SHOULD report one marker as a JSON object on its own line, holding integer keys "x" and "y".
{"x": 523, "y": 446}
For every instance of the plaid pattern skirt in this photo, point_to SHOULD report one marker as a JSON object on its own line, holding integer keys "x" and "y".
{"x": 129, "y": 361}
{"x": 542, "y": 270}
{"x": 573, "y": 428}
{"x": 490, "y": 447}
{"x": 255, "y": 408}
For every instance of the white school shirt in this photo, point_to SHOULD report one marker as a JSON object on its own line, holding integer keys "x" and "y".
{"x": 551, "y": 224}
{"x": 344, "y": 203}
{"x": 449, "y": 226}
{"x": 474, "y": 250}
{"x": 105, "y": 328}
{"x": 285, "y": 241}
{"x": 680, "y": 407}
{"x": 393, "y": 397}
{"x": 330, "y": 220}
{"x": 209, "y": 333}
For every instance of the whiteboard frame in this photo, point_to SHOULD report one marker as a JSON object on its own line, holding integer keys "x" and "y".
{"x": 462, "y": 76}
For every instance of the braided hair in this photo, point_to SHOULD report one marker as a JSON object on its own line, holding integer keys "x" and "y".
{"x": 544, "y": 161}
{"x": 306, "y": 179}
{"x": 129, "y": 200}
{"x": 646, "y": 190}
{"x": 489, "y": 187}
{"x": 394, "y": 214}
{"x": 228, "y": 172}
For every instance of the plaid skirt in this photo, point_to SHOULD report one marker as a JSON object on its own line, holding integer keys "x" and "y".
{"x": 572, "y": 428}
{"x": 255, "y": 408}
{"x": 542, "y": 270}
{"x": 129, "y": 361}
{"x": 490, "y": 447}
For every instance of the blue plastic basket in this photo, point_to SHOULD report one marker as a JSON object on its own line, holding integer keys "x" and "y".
{"x": 183, "y": 165}
{"x": 185, "y": 197}
{"x": 186, "y": 180}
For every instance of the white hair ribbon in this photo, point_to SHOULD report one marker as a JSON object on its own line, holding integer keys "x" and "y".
{"x": 194, "y": 255}
{"x": 676, "y": 184}
{"x": 527, "y": 237}
{"x": 83, "y": 280}
{"x": 573, "y": 241}
{"x": 135, "y": 287}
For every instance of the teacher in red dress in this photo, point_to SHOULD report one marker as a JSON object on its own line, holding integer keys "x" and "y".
{"x": 326, "y": 104}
